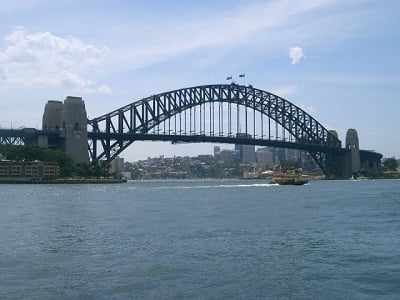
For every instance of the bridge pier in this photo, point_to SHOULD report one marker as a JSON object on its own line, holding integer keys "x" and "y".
{"x": 351, "y": 160}
{"x": 32, "y": 138}
{"x": 336, "y": 165}
{"x": 70, "y": 120}
{"x": 352, "y": 144}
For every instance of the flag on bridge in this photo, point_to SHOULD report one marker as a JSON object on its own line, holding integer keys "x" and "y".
{"x": 229, "y": 78}
{"x": 242, "y": 75}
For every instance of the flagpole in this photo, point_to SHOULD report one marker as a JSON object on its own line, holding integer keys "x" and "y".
{"x": 244, "y": 78}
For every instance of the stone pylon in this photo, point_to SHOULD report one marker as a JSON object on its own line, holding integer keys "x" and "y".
{"x": 70, "y": 119}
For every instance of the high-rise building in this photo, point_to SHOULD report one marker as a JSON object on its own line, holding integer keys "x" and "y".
{"x": 230, "y": 155}
{"x": 264, "y": 156}
{"x": 292, "y": 154}
{"x": 247, "y": 152}
{"x": 217, "y": 153}
{"x": 280, "y": 155}
{"x": 117, "y": 165}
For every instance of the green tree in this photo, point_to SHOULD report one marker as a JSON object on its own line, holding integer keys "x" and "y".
{"x": 390, "y": 164}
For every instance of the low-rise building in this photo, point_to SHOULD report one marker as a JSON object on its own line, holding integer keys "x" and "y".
{"x": 29, "y": 169}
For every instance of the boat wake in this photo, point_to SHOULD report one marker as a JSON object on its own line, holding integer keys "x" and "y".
{"x": 223, "y": 186}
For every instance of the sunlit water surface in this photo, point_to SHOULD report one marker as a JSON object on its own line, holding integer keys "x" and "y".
{"x": 201, "y": 239}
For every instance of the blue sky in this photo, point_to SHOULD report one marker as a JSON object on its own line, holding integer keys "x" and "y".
{"x": 339, "y": 60}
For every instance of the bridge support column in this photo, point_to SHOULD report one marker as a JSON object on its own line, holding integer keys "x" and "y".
{"x": 31, "y": 138}
{"x": 337, "y": 165}
{"x": 352, "y": 144}
{"x": 70, "y": 119}
{"x": 41, "y": 141}
{"x": 74, "y": 121}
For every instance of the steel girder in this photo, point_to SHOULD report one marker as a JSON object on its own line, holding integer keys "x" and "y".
{"x": 26, "y": 136}
{"x": 16, "y": 136}
{"x": 140, "y": 117}
{"x": 11, "y": 140}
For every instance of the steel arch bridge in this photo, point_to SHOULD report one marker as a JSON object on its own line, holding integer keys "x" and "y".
{"x": 221, "y": 113}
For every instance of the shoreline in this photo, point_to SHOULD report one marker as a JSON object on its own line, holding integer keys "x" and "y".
{"x": 114, "y": 180}
{"x": 60, "y": 181}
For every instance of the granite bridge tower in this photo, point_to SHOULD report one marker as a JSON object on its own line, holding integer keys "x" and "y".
{"x": 70, "y": 119}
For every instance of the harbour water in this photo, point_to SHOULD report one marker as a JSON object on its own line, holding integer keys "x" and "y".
{"x": 201, "y": 240}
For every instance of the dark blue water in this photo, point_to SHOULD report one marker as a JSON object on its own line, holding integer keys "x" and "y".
{"x": 201, "y": 239}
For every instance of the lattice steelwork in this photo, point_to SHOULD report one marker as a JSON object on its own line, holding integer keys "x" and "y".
{"x": 13, "y": 136}
{"x": 212, "y": 113}
{"x": 11, "y": 140}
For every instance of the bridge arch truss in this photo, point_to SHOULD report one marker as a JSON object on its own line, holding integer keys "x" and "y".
{"x": 223, "y": 113}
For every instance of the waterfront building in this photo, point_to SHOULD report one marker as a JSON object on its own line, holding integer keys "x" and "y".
{"x": 126, "y": 175}
{"x": 117, "y": 165}
{"x": 29, "y": 169}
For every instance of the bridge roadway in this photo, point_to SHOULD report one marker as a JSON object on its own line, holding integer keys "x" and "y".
{"x": 30, "y": 136}
{"x": 202, "y": 138}
{"x": 26, "y": 135}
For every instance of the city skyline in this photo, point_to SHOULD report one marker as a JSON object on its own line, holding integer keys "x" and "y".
{"x": 339, "y": 62}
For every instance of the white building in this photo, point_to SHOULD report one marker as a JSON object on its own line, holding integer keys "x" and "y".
{"x": 117, "y": 165}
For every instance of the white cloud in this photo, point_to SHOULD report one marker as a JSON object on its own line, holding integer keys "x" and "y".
{"x": 44, "y": 60}
{"x": 296, "y": 54}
